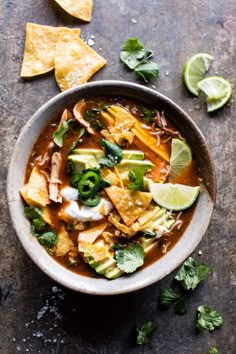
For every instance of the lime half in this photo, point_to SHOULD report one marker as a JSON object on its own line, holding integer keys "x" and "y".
{"x": 217, "y": 90}
{"x": 174, "y": 197}
{"x": 194, "y": 70}
{"x": 180, "y": 157}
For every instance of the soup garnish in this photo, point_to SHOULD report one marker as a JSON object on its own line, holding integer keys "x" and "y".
{"x": 110, "y": 186}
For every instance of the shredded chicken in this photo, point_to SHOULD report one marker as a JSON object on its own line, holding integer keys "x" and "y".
{"x": 54, "y": 193}
{"x": 78, "y": 115}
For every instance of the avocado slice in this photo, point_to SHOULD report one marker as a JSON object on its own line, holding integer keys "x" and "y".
{"x": 127, "y": 165}
{"x": 105, "y": 265}
{"x": 82, "y": 162}
{"x": 97, "y": 153}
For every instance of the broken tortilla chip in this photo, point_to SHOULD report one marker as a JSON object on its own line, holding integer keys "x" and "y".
{"x": 81, "y": 9}
{"x": 129, "y": 204}
{"x": 40, "y": 45}
{"x": 75, "y": 61}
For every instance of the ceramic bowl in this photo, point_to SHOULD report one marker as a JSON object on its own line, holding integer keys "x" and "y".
{"x": 191, "y": 237}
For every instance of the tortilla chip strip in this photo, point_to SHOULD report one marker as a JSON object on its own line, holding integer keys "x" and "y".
{"x": 81, "y": 9}
{"x": 129, "y": 204}
{"x": 75, "y": 61}
{"x": 40, "y": 45}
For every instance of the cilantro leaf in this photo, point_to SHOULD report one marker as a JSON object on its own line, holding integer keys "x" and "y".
{"x": 136, "y": 177}
{"x": 32, "y": 212}
{"x": 58, "y": 134}
{"x": 192, "y": 273}
{"x": 180, "y": 307}
{"x": 48, "y": 239}
{"x": 81, "y": 133}
{"x": 146, "y": 115}
{"x": 147, "y": 71}
{"x": 213, "y": 350}
{"x": 133, "y": 53}
{"x": 208, "y": 319}
{"x": 130, "y": 257}
{"x": 168, "y": 297}
{"x": 113, "y": 154}
{"x": 144, "y": 333}
{"x": 137, "y": 58}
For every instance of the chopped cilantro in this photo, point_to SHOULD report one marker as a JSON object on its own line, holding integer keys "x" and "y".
{"x": 113, "y": 154}
{"x": 191, "y": 274}
{"x": 147, "y": 71}
{"x": 146, "y": 115}
{"x": 180, "y": 307}
{"x": 137, "y": 58}
{"x": 59, "y": 133}
{"x": 130, "y": 257}
{"x": 213, "y": 350}
{"x": 144, "y": 332}
{"x": 208, "y": 319}
{"x": 81, "y": 133}
{"x": 48, "y": 239}
{"x": 168, "y": 297}
{"x": 37, "y": 222}
{"x": 136, "y": 177}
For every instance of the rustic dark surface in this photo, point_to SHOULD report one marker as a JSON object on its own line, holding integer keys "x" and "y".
{"x": 37, "y": 315}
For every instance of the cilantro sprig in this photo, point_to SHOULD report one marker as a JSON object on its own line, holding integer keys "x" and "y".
{"x": 169, "y": 297}
{"x": 144, "y": 332}
{"x": 192, "y": 273}
{"x": 213, "y": 350}
{"x": 59, "y": 133}
{"x": 137, "y": 58}
{"x": 34, "y": 214}
{"x": 129, "y": 258}
{"x": 113, "y": 154}
{"x": 136, "y": 177}
{"x": 208, "y": 319}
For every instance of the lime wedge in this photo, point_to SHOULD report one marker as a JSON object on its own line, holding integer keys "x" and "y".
{"x": 194, "y": 70}
{"x": 180, "y": 157}
{"x": 174, "y": 197}
{"x": 217, "y": 90}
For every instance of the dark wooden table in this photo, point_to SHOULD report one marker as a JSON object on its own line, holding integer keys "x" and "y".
{"x": 39, "y": 316}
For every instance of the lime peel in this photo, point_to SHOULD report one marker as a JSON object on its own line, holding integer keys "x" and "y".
{"x": 174, "y": 197}
{"x": 217, "y": 90}
{"x": 194, "y": 70}
{"x": 180, "y": 157}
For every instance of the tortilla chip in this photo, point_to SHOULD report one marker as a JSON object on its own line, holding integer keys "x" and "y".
{"x": 81, "y": 9}
{"x": 75, "y": 61}
{"x": 40, "y": 45}
{"x": 90, "y": 235}
{"x": 64, "y": 244}
{"x": 35, "y": 192}
{"x": 129, "y": 204}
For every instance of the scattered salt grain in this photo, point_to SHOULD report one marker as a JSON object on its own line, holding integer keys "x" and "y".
{"x": 90, "y": 42}
{"x": 92, "y": 36}
{"x": 13, "y": 339}
{"x": 134, "y": 21}
{"x": 153, "y": 86}
{"x": 167, "y": 73}
{"x": 199, "y": 252}
{"x": 55, "y": 289}
{"x": 100, "y": 49}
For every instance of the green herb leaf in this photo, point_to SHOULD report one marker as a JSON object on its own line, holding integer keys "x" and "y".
{"x": 146, "y": 114}
{"x": 48, "y": 239}
{"x": 144, "y": 333}
{"x": 192, "y": 273}
{"x": 208, "y": 319}
{"x": 32, "y": 212}
{"x": 129, "y": 258}
{"x": 113, "y": 154}
{"x": 74, "y": 144}
{"x": 168, "y": 297}
{"x": 38, "y": 224}
{"x": 137, "y": 58}
{"x": 136, "y": 177}
{"x": 213, "y": 350}
{"x": 180, "y": 307}
{"x": 59, "y": 133}
{"x": 147, "y": 71}
{"x": 133, "y": 53}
